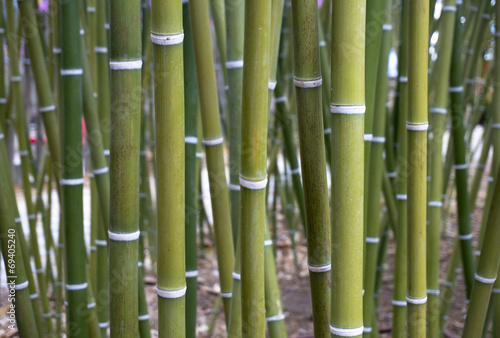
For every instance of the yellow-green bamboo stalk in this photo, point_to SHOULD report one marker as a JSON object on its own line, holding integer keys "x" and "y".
{"x": 347, "y": 105}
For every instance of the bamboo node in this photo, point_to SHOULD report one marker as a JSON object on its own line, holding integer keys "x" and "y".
{"x": 76, "y": 287}
{"x": 372, "y": 240}
{"x": 328, "y": 131}
{"x": 461, "y": 166}
{"x": 399, "y": 302}
{"x": 279, "y": 316}
{"x": 3, "y": 100}
{"x": 41, "y": 270}
{"x": 142, "y": 317}
{"x": 71, "y": 72}
{"x": 125, "y": 65}
{"x": 387, "y": 27}
{"x": 403, "y": 79}
{"x": 437, "y": 204}
{"x": 307, "y": 83}
{"x": 234, "y": 187}
{"x": 213, "y": 142}
{"x": 198, "y": 155}
{"x": 47, "y": 315}
{"x": 438, "y": 110}
{"x": 484, "y": 280}
{"x": 34, "y": 296}
{"x": 378, "y": 139}
{"x": 56, "y": 50}
{"x": 271, "y": 85}
{"x": 322, "y": 43}
{"x": 320, "y": 268}
{"x": 167, "y": 40}
{"x": 106, "y": 152}
{"x": 449, "y": 9}
{"x": 467, "y": 237}
{"x": 368, "y": 137}
{"x": 496, "y": 290}
{"x": 367, "y": 329}
{"x": 392, "y": 174}
{"x": 91, "y": 9}
{"x": 236, "y": 275}
{"x": 253, "y": 185}
{"x": 72, "y": 181}
{"x": 457, "y": 89}
{"x": 473, "y": 8}
{"x": 46, "y": 109}
{"x": 171, "y": 293}
{"x": 191, "y": 139}
{"x": 101, "y": 50}
{"x": 401, "y": 197}
{"x": 268, "y": 242}
{"x": 417, "y": 127}
{"x": 124, "y": 237}
{"x": 192, "y": 274}
{"x": 416, "y": 301}
{"x": 495, "y": 126}
{"x": 101, "y": 242}
{"x": 15, "y": 78}
{"x": 103, "y": 325}
{"x": 346, "y": 332}
{"x": 91, "y": 305}
{"x": 434, "y": 292}
{"x": 101, "y": 171}
{"x": 295, "y": 171}
{"x": 349, "y": 110}
{"x": 234, "y": 64}
{"x": 23, "y": 153}
{"x": 226, "y": 294}
{"x": 280, "y": 99}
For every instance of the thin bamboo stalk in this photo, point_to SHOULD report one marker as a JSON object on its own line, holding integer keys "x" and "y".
{"x": 347, "y": 105}
{"x": 125, "y": 78}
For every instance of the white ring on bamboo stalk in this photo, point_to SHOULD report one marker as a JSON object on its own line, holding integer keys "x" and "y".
{"x": 191, "y": 139}
{"x": 461, "y": 166}
{"x": 470, "y": 81}
{"x": 275, "y": 318}
{"x": 192, "y": 274}
{"x": 23, "y": 153}
{"x": 378, "y": 139}
{"x": 349, "y": 110}
{"x": 46, "y": 109}
{"x": 198, "y": 155}
{"x": 226, "y": 294}
{"x": 125, "y": 65}
{"x": 140, "y": 264}
{"x": 417, "y": 127}
{"x": 47, "y": 315}
{"x": 367, "y": 329}
{"x": 307, "y": 83}
{"x": 72, "y": 181}
{"x": 280, "y": 99}
{"x": 71, "y": 72}
{"x": 253, "y": 185}
{"x": 465, "y": 237}
{"x": 268, "y": 242}
{"x": 438, "y": 110}
{"x": 75, "y": 287}
{"x": 387, "y": 27}
{"x": 437, "y": 204}
{"x": 18, "y": 220}
{"x": 496, "y": 290}
{"x": 41, "y": 270}
{"x": 271, "y": 85}
{"x": 457, "y": 89}
{"x": 401, "y": 197}
{"x": 495, "y": 126}
{"x": 101, "y": 171}
{"x": 434, "y": 292}
{"x": 56, "y": 50}
{"x": 167, "y": 40}
{"x": 142, "y": 153}
{"x": 321, "y": 268}
{"x": 236, "y": 276}
{"x": 21, "y": 286}
{"x": 234, "y": 64}
{"x": 143, "y": 317}
{"x": 234, "y": 187}
{"x": 322, "y": 43}
{"x": 101, "y": 242}
{"x": 106, "y": 152}
{"x": 327, "y": 131}
{"x": 485, "y": 16}
{"x": 90, "y": 9}
{"x": 91, "y": 305}
{"x": 103, "y": 325}
{"x": 15, "y": 78}
{"x": 106, "y": 25}
{"x": 497, "y": 34}
{"x": 368, "y": 137}
{"x": 372, "y": 240}
{"x": 477, "y": 253}
{"x": 143, "y": 195}
{"x": 171, "y": 293}
{"x": 213, "y": 142}
{"x": 101, "y": 50}
{"x": 295, "y": 171}
{"x": 416, "y": 301}
{"x": 490, "y": 179}
{"x": 124, "y": 237}
{"x": 449, "y": 8}
{"x": 346, "y": 332}
{"x": 392, "y": 174}
{"x": 34, "y": 296}
{"x": 473, "y": 8}
{"x": 446, "y": 283}
{"x": 403, "y": 79}
{"x": 484, "y": 280}
{"x": 2, "y": 31}
{"x": 3, "y": 100}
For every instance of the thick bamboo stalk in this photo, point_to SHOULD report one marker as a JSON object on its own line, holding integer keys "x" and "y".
{"x": 253, "y": 175}
{"x": 167, "y": 38}
{"x": 125, "y": 77}
{"x": 347, "y": 105}
{"x": 308, "y": 80}
{"x": 72, "y": 174}
{"x": 213, "y": 141}
{"x": 417, "y": 126}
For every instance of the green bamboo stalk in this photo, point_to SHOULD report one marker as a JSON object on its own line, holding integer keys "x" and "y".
{"x": 212, "y": 139}
{"x": 253, "y": 176}
{"x": 376, "y": 175}
{"x": 308, "y": 80}
{"x": 167, "y": 38}
{"x": 12, "y": 252}
{"x": 399, "y": 304}
{"x": 125, "y": 78}
{"x": 461, "y": 165}
{"x": 191, "y": 126}
{"x": 3, "y": 89}
{"x": 417, "y": 126}
{"x": 72, "y": 175}
{"x": 347, "y": 105}
{"x": 435, "y": 203}
{"x": 235, "y": 18}
{"x": 481, "y": 164}
{"x": 448, "y": 288}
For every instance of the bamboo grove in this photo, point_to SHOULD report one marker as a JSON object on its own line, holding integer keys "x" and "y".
{"x": 141, "y": 139}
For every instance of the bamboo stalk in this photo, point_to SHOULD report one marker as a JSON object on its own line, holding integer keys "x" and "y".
{"x": 417, "y": 126}
{"x": 347, "y": 105}
{"x": 125, "y": 78}
{"x": 308, "y": 80}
